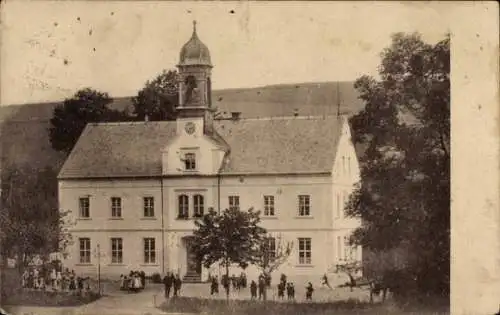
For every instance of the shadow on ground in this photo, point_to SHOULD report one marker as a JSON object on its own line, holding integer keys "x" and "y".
{"x": 240, "y": 307}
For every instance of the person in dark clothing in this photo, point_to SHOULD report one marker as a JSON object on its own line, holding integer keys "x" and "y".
{"x": 225, "y": 282}
{"x": 143, "y": 279}
{"x": 262, "y": 288}
{"x": 177, "y": 285}
{"x": 309, "y": 291}
{"x": 167, "y": 281}
{"x": 253, "y": 290}
{"x": 214, "y": 286}
{"x": 325, "y": 281}
{"x": 281, "y": 290}
{"x": 290, "y": 291}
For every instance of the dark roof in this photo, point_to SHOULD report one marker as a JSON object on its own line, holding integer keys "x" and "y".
{"x": 262, "y": 146}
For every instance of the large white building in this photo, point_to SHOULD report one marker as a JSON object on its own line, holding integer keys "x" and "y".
{"x": 134, "y": 189}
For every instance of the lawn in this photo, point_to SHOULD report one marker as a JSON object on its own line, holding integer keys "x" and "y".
{"x": 48, "y": 298}
{"x": 246, "y": 307}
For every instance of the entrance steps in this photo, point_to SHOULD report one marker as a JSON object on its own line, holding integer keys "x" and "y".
{"x": 192, "y": 278}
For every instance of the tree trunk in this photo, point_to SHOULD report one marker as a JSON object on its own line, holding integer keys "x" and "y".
{"x": 228, "y": 283}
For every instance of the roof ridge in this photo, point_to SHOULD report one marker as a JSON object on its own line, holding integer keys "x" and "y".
{"x": 310, "y": 117}
{"x": 125, "y": 123}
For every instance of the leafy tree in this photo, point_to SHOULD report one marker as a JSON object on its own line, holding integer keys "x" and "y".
{"x": 31, "y": 227}
{"x": 159, "y": 97}
{"x": 232, "y": 237}
{"x": 71, "y": 117}
{"x": 404, "y": 194}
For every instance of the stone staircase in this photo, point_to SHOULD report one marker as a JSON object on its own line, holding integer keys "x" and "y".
{"x": 192, "y": 277}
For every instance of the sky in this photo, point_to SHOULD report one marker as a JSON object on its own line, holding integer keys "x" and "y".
{"x": 51, "y": 49}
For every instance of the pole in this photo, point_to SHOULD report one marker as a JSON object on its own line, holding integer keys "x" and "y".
{"x": 99, "y": 268}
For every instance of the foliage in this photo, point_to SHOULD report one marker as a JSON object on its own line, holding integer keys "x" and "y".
{"x": 71, "y": 117}
{"x": 159, "y": 97}
{"x": 31, "y": 227}
{"x": 232, "y": 237}
{"x": 269, "y": 260}
{"x": 156, "y": 278}
{"x": 404, "y": 194}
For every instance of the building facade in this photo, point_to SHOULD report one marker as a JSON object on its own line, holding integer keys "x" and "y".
{"x": 135, "y": 189}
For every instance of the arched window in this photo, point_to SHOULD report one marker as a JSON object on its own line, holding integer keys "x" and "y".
{"x": 209, "y": 92}
{"x": 183, "y": 207}
{"x": 198, "y": 203}
{"x": 190, "y": 85}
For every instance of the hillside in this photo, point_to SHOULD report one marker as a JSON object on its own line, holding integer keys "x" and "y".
{"x": 24, "y": 128}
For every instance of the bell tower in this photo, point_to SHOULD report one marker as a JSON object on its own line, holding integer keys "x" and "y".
{"x": 195, "y": 70}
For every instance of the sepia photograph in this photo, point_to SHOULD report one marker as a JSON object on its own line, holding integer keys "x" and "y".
{"x": 164, "y": 157}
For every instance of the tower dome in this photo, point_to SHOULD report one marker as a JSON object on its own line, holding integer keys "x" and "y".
{"x": 194, "y": 52}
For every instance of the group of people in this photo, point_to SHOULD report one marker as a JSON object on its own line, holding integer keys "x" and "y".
{"x": 171, "y": 281}
{"x": 237, "y": 283}
{"x": 134, "y": 282}
{"x": 258, "y": 288}
{"x": 55, "y": 280}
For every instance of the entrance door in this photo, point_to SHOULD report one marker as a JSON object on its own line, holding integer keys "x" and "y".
{"x": 192, "y": 262}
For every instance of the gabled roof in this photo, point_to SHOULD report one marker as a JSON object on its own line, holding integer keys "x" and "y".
{"x": 256, "y": 146}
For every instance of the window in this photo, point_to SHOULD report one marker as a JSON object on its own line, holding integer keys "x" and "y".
{"x": 85, "y": 250}
{"x": 338, "y": 205}
{"x": 304, "y": 205}
{"x": 116, "y": 251}
{"x": 190, "y": 161}
{"x": 304, "y": 251}
{"x": 343, "y": 165}
{"x": 339, "y": 248}
{"x": 271, "y": 247}
{"x": 149, "y": 207}
{"x": 349, "y": 165}
{"x": 198, "y": 205}
{"x": 347, "y": 248}
{"x": 234, "y": 202}
{"x": 149, "y": 251}
{"x": 84, "y": 205}
{"x": 269, "y": 205}
{"x": 116, "y": 207}
{"x": 183, "y": 207}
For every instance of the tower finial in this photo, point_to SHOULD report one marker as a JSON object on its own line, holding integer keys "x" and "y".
{"x": 194, "y": 27}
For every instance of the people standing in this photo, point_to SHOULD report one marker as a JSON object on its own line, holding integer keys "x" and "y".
{"x": 262, "y": 288}
{"x": 168, "y": 281}
{"x": 309, "y": 291}
{"x": 177, "y": 285}
{"x": 253, "y": 290}
{"x": 143, "y": 279}
{"x": 290, "y": 291}
{"x": 214, "y": 286}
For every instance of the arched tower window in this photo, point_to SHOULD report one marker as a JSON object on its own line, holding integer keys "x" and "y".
{"x": 190, "y": 86}
{"x": 209, "y": 92}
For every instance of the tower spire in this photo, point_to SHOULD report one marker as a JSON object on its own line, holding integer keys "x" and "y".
{"x": 194, "y": 28}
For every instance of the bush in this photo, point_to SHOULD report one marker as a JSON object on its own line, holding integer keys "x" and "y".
{"x": 156, "y": 278}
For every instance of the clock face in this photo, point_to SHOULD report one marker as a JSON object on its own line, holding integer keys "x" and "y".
{"x": 190, "y": 128}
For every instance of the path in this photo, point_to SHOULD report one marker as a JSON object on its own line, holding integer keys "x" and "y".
{"x": 113, "y": 302}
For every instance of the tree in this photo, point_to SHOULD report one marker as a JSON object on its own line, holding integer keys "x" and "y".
{"x": 273, "y": 252}
{"x": 31, "y": 227}
{"x": 71, "y": 117}
{"x": 404, "y": 194}
{"x": 159, "y": 97}
{"x": 233, "y": 237}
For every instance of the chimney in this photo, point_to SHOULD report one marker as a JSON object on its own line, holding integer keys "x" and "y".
{"x": 235, "y": 115}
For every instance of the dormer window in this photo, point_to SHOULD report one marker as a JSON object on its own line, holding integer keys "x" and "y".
{"x": 190, "y": 162}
